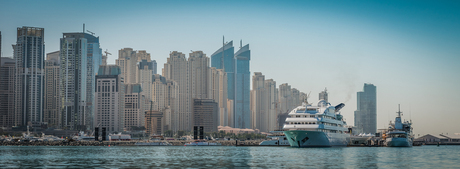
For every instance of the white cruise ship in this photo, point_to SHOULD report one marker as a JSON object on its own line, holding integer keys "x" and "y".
{"x": 399, "y": 133}
{"x": 316, "y": 126}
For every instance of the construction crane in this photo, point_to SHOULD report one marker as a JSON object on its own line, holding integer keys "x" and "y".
{"x": 306, "y": 98}
{"x": 92, "y": 33}
{"x": 107, "y": 53}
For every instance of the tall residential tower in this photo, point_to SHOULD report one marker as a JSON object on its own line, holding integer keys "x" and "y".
{"x": 80, "y": 57}
{"x": 366, "y": 115}
{"x": 29, "y": 54}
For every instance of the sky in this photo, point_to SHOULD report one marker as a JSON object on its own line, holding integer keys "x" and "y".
{"x": 410, "y": 50}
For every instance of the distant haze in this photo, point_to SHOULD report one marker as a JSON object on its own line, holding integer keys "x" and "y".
{"x": 410, "y": 50}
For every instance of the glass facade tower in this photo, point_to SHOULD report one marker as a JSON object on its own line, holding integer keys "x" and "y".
{"x": 80, "y": 57}
{"x": 224, "y": 59}
{"x": 366, "y": 115}
{"x": 29, "y": 54}
{"x": 242, "y": 109}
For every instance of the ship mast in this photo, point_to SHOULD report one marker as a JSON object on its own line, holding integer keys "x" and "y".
{"x": 399, "y": 111}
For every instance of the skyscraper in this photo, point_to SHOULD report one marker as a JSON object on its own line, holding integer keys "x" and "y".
{"x": 110, "y": 102}
{"x": 177, "y": 69}
{"x": 271, "y": 96}
{"x": 366, "y": 115}
{"x": 198, "y": 69}
{"x": 259, "y": 115}
{"x": 7, "y": 85}
{"x": 323, "y": 95}
{"x": 223, "y": 59}
{"x": 52, "y": 113}
{"x": 165, "y": 97}
{"x": 242, "y": 89}
{"x": 127, "y": 61}
{"x": 218, "y": 92}
{"x": 29, "y": 54}
{"x": 285, "y": 98}
{"x": 144, "y": 78}
{"x": 264, "y": 101}
{"x": 80, "y": 57}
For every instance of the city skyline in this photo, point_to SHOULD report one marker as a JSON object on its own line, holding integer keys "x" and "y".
{"x": 410, "y": 54}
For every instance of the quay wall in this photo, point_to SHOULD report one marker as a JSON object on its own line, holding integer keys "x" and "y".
{"x": 118, "y": 143}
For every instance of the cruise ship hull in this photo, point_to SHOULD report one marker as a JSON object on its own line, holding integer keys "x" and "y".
{"x": 398, "y": 142}
{"x": 302, "y": 138}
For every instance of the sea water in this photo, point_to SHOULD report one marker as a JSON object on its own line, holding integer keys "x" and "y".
{"x": 228, "y": 157}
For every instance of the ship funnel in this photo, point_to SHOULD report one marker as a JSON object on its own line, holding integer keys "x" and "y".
{"x": 339, "y": 106}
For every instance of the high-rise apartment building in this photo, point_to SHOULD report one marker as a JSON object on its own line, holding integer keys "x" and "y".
{"x": 296, "y": 101}
{"x": 223, "y": 59}
{"x": 177, "y": 69}
{"x": 52, "y": 107}
{"x": 323, "y": 95}
{"x": 134, "y": 112}
{"x": 285, "y": 98}
{"x": 144, "y": 78}
{"x": 259, "y": 114}
{"x": 110, "y": 99}
{"x": 198, "y": 69}
{"x": 127, "y": 61}
{"x": 80, "y": 57}
{"x": 142, "y": 55}
{"x": 218, "y": 92}
{"x": 271, "y": 96}
{"x": 264, "y": 102}
{"x": 7, "y": 91}
{"x": 165, "y": 97}
{"x": 205, "y": 114}
{"x": 29, "y": 54}
{"x": 366, "y": 115}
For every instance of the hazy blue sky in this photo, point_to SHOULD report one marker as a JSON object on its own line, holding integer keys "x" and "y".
{"x": 409, "y": 49}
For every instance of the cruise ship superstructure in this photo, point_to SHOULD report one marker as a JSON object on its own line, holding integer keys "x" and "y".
{"x": 399, "y": 133}
{"x": 316, "y": 126}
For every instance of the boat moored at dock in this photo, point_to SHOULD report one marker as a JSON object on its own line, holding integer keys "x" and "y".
{"x": 316, "y": 126}
{"x": 277, "y": 138}
{"x": 399, "y": 133}
{"x": 202, "y": 143}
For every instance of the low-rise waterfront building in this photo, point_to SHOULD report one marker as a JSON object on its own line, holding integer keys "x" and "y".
{"x": 205, "y": 114}
{"x": 227, "y": 129}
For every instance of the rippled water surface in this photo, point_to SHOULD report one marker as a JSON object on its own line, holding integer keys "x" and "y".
{"x": 230, "y": 157}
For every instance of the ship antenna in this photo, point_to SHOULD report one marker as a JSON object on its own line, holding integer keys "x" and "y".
{"x": 399, "y": 111}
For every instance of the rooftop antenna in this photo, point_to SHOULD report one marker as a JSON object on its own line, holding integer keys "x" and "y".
{"x": 83, "y": 27}
{"x": 241, "y": 43}
{"x": 399, "y": 111}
